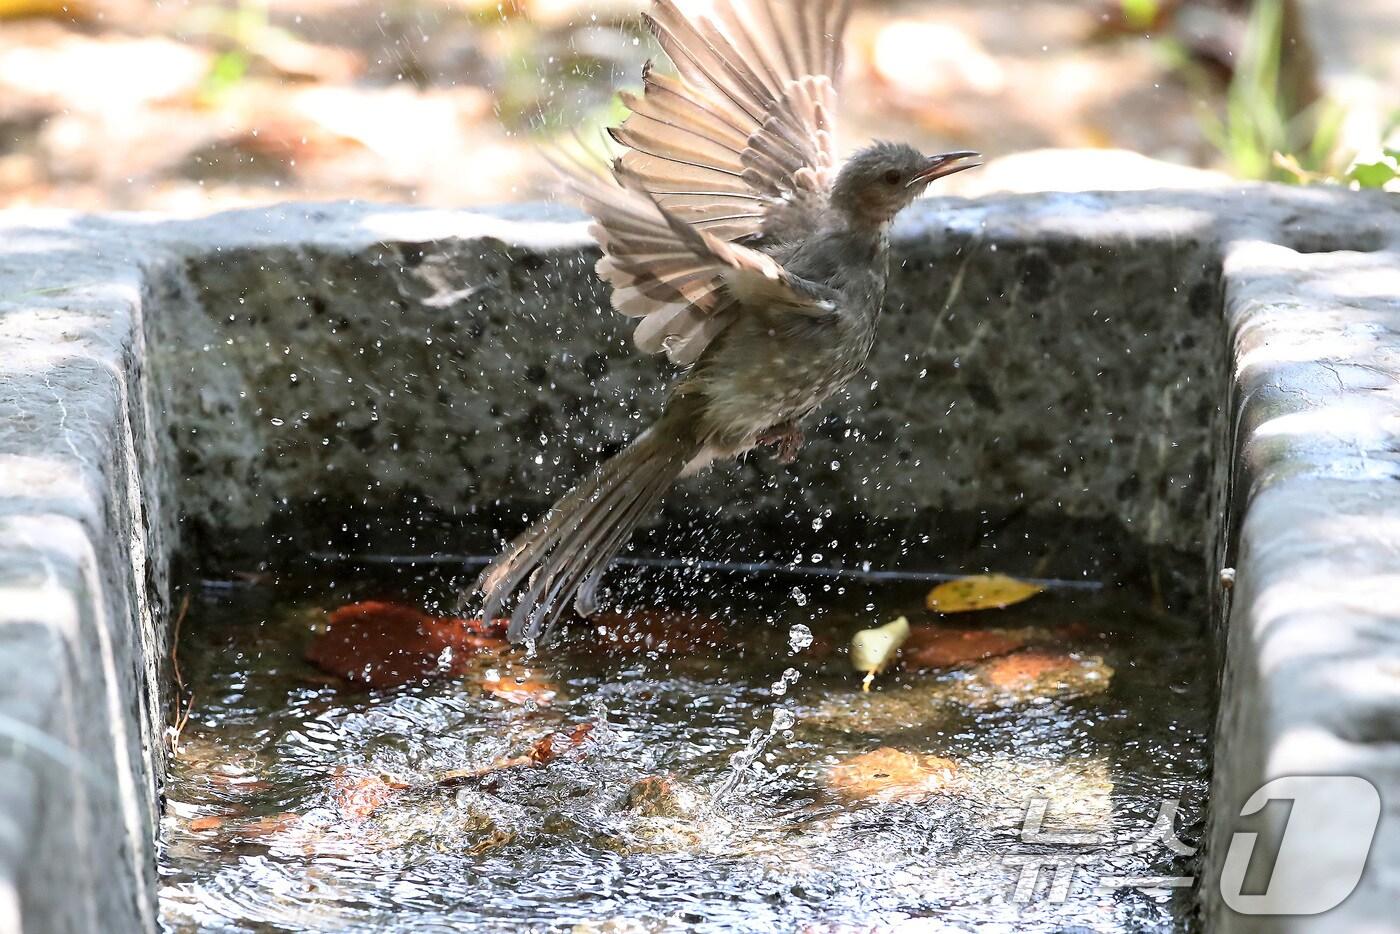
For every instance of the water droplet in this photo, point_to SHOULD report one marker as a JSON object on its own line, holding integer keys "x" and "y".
{"x": 789, "y": 678}
{"x": 799, "y": 637}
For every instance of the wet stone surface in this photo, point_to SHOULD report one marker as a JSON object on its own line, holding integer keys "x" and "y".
{"x": 497, "y": 372}
{"x": 713, "y": 782}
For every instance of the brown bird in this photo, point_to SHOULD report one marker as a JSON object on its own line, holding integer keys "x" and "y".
{"x": 748, "y": 258}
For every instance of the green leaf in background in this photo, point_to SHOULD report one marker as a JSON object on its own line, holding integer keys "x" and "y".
{"x": 1140, "y": 14}
{"x": 1373, "y": 174}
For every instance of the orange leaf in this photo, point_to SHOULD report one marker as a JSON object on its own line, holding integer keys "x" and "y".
{"x": 543, "y": 752}
{"x": 889, "y": 774}
{"x": 1042, "y": 672}
{"x": 203, "y": 824}
{"x": 653, "y": 796}
{"x": 521, "y": 689}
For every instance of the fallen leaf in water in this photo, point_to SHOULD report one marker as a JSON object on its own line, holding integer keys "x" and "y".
{"x": 1036, "y": 673}
{"x": 547, "y": 750}
{"x": 654, "y": 796}
{"x": 922, "y": 704}
{"x": 890, "y": 774}
{"x": 492, "y": 841}
{"x": 521, "y": 688}
{"x": 262, "y": 827}
{"x": 363, "y": 796}
{"x": 980, "y": 592}
{"x": 381, "y": 644}
{"x": 948, "y": 647}
{"x": 204, "y": 824}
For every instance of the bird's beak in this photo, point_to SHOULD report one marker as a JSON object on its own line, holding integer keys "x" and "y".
{"x": 945, "y": 163}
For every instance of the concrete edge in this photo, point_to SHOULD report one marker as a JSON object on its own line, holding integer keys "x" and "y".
{"x": 1311, "y": 684}
{"x": 81, "y": 579}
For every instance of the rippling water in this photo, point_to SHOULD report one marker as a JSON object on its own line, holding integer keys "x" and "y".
{"x": 703, "y": 799}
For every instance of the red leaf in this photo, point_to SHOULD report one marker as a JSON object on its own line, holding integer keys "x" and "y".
{"x": 948, "y": 647}
{"x": 383, "y": 644}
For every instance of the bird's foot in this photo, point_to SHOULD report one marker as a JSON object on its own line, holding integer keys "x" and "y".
{"x": 787, "y": 437}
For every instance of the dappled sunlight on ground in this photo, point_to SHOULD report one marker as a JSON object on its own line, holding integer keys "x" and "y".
{"x": 191, "y": 107}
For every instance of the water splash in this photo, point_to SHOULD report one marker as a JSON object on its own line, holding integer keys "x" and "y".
{"x": 799, "y": 637}
{"x": 742, "y": 761}
{"x": 780, "y": 687}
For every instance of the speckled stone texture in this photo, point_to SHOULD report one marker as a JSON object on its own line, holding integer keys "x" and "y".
{"x": 1018, "y": 371}
{"x": 351, "y": 375}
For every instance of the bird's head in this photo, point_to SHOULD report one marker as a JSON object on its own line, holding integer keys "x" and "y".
{"x": 881, "y": 180}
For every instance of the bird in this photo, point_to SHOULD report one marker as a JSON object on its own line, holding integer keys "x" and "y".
{"x": 748, "y": 256}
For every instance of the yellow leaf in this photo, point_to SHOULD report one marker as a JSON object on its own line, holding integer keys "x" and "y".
{"x": 980, "y": 592}
{"x": 53, "y": 9}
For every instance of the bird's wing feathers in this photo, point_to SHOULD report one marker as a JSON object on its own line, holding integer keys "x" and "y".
{"x": 684, "y": 282}
{"x": 738, "y": 145}
{"x": 742, "y": 143}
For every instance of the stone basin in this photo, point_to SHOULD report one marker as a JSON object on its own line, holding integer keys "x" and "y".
{"x": 1209, "y": 377}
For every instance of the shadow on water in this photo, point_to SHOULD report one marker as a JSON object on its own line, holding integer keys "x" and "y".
{"x": 714, "y": 767}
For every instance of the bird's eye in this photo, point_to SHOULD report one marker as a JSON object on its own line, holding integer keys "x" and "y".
{"x": 892, "y": 177}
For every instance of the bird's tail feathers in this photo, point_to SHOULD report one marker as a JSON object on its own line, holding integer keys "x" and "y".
{"x": 563, "y": 555}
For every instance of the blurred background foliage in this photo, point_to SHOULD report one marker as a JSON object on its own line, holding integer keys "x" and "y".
{"x": 197, "y": 105}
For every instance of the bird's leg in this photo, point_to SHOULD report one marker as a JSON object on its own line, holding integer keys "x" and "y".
{"x": 788, "y": 438}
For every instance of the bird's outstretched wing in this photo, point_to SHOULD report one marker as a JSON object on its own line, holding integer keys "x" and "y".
{"x": 741, "y": 143}
{"x": 684, "y": 282}
{"x": 738, "y": 146}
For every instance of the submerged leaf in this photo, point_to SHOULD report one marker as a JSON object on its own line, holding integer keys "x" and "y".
{"x": 980, "y": 592}
{"x": 381, "y": 644}
{"x": 1035, "y": 673}
{"x": 889, "y": 774}
{"x": 363, "y": 796}
{"x": 260, "y": 828}
{"x": 522, "y": 688}
{"x": 948, "y": 647}
{"x": 655, "y": 796}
